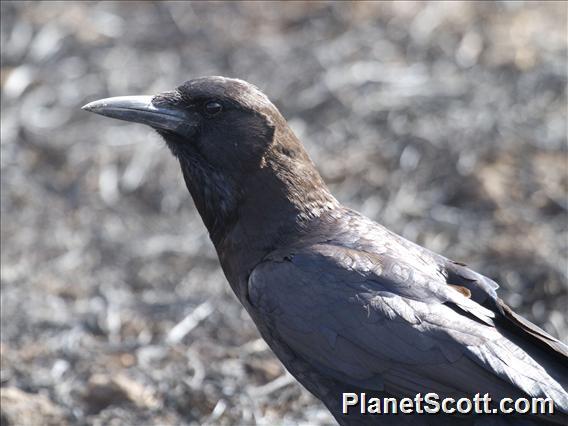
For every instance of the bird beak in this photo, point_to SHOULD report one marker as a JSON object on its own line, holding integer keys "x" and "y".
{"x": 141, "y": 109}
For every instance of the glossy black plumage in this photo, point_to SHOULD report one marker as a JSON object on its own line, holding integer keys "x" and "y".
{"x": 345, "y": 304}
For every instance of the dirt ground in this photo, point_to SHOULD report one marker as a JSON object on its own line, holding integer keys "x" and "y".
{"x": 446, "y": 122}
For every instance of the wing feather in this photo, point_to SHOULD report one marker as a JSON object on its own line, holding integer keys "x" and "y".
{"x": 365, "y": 322}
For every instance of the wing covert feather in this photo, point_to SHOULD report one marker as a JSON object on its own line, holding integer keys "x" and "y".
{"x": 358, "y": 319}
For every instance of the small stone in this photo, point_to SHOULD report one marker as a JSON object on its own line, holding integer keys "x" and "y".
{"x": 23, "y": 408}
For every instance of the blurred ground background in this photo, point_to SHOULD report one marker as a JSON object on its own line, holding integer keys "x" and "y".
{"x": 444, "y": 121}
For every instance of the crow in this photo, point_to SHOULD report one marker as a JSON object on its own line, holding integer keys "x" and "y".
{"x": 348, "y": 306}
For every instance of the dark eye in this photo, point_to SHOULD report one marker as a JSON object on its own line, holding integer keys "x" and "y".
{"x": 213, "y": 108}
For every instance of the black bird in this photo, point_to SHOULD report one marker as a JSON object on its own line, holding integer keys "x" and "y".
{"x": 345, "y": 304}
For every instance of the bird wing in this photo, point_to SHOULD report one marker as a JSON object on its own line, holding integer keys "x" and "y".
{"x": 374, "y": 322}
{"x": 482, "y": 290}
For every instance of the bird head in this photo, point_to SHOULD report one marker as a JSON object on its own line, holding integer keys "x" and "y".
{"x": 233, "y": 146}
{"x": 223, "y": 123}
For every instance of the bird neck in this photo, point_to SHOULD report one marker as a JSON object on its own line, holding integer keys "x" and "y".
{"x": 264, "y": 210}
{"x": 216, "y": 197}
{"x": 277, "y": 208}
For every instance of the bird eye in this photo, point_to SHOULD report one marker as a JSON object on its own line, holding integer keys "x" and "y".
{"x": 213, "y": 108}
